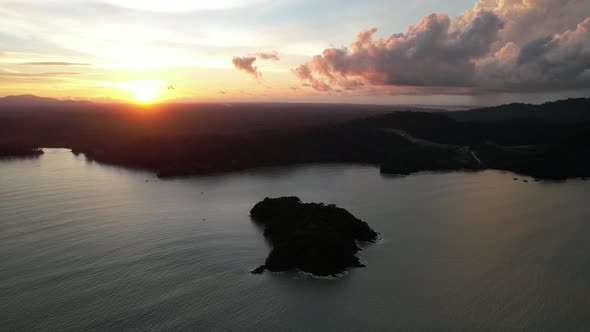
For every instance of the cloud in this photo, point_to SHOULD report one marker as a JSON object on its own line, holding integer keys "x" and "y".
{"x": 430, "y": 53}
{"x": 584, "y": 76}
{"x": 273, "y": 56}
{"x": 48, "y": 77}
{"x": 305, "y": 73}
{"x": 6, "y": 73}
{"x": 55, "y": 63}
{"x": 498, "y": 46}
{"x": 246, "y": 64}
{"x": 527, "y": 20}
{"x": 172, "y": 6}
{"x": 558, "y": 62}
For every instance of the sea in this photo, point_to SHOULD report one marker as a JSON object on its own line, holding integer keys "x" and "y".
{"x": 86, "y": 246}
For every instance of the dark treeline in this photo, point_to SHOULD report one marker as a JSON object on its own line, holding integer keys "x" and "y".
{"x": 177, "y": 140}
{"x": 15, "y": 150}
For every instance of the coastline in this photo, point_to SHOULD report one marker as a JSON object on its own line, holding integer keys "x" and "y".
{"x": 10, "y": 152}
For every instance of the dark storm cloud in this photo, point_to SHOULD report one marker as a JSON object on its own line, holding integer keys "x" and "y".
{"x": 536, "y": 48}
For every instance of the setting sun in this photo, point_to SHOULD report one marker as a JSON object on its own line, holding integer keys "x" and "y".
{"x": 144, "y": 95}
{"x": 145, "y": 91}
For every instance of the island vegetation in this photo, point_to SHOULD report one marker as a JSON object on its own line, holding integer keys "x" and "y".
{"x": 310, "y": 237}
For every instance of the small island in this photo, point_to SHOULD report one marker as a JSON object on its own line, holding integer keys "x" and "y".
{"x": 310, "y": 237}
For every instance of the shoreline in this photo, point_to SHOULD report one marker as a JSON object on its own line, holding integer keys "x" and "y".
{"x": 19, "y": 152}
{"x": 183, "y": 174}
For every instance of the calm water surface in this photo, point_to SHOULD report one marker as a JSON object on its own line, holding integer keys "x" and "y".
{"x": 89, "y": 247}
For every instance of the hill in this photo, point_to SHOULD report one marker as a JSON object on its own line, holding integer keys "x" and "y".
{"x": 32, "y": 102}
{"x": 570, "y": 110}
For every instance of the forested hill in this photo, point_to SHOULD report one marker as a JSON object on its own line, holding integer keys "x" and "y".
{"x": 570, "y": 110}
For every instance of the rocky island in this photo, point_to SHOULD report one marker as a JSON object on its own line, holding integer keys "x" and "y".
{"x": 310, "y": 237}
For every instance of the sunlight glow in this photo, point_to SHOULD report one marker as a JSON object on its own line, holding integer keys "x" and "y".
{"x": 143, "y": 92}
{"x": 145, "y": 95}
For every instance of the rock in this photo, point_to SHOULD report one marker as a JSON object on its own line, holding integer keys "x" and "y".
{"x": 315, "y": 238}
{"x": 259, "y": 270}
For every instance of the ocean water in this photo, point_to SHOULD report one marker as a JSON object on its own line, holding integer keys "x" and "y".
{"x": 90, "y": 247}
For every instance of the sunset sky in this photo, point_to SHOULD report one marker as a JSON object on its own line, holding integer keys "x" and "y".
{"x": 455, "y": 52}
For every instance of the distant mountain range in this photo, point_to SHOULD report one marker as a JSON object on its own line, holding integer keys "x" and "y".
{"x": 32, "y": 101}
{"x": 569, "y": 110}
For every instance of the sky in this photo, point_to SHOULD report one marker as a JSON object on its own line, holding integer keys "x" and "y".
{"x": 456, "y": 52}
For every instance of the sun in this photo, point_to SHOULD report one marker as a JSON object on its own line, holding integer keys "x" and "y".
{"x": 145, "y": 92}
{"x": 145, "y": 95}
